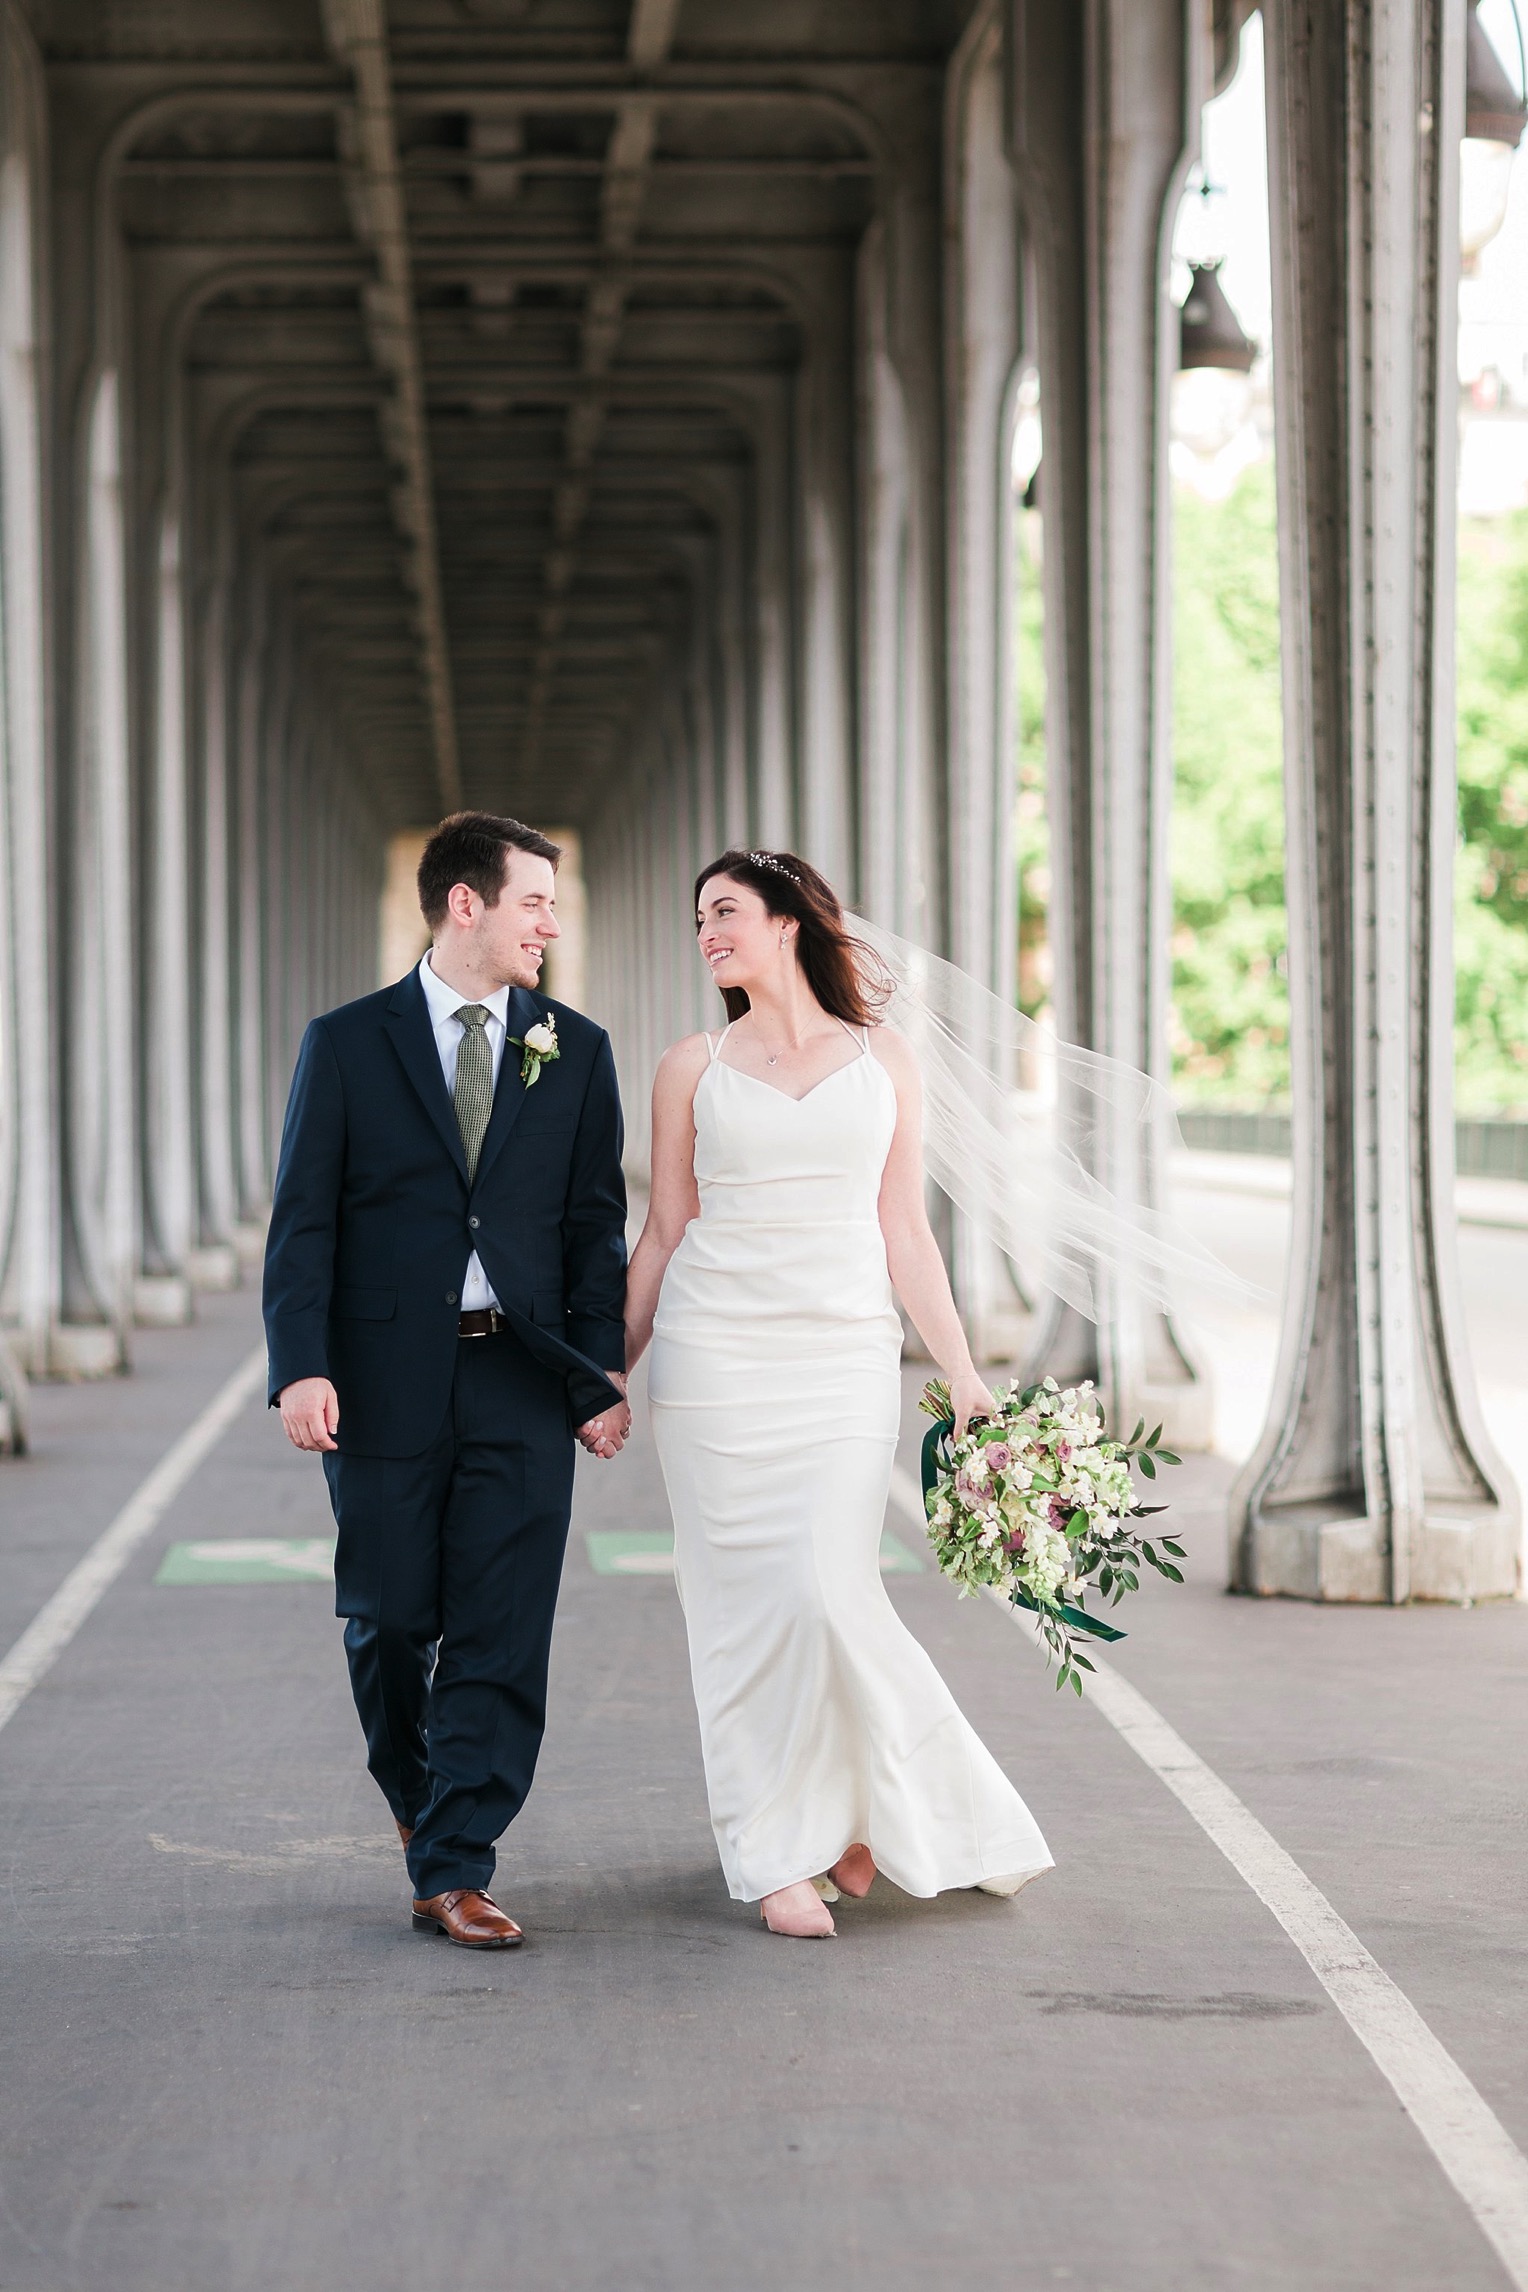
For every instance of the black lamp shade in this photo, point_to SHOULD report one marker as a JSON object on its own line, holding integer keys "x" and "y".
{"x": 1209, "y": 332}
{"x": 1494, "y": 112}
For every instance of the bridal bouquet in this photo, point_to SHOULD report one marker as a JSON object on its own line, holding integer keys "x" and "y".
{"x": 1036, "y": 1503}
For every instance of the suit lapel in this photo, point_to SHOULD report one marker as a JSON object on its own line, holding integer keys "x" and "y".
{"x": 413, "y": 1038}
{"x": 521, "y": 1012}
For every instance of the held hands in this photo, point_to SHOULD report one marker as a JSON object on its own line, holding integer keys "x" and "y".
{"x": 969, "y": 1398}
{"x": 310, "y": 1411}
{"x": 606, "y": 1435}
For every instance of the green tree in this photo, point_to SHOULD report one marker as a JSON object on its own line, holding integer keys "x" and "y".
{"x": 1230, "y": 1004}
{"x": 1491, "y": 881}
{"x": 1032, "y": 825}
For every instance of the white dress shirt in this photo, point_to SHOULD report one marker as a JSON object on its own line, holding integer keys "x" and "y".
{"x": 443, "y": 1003}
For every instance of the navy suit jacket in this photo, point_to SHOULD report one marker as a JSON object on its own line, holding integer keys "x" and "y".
{"x": 374, "y": 1221}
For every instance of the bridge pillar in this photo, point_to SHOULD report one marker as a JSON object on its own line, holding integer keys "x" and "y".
{"x": 30, "y": 1131}
{"x": 1105, "y": 106}
{"x": 1375, "y": 1479}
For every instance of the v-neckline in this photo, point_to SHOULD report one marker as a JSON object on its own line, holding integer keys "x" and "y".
{"x": 790, "y": 1097}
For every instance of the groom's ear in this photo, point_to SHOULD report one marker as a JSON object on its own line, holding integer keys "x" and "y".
{"x": 459, "y": 905}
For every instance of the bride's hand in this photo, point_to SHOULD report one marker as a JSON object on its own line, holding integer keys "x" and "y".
{"x": 969, "y": 1398}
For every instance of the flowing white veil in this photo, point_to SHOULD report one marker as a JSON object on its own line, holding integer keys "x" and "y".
{"x": 1046, "y": 1147}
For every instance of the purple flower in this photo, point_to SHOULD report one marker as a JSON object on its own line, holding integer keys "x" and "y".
{"x": 999, "y": 1455}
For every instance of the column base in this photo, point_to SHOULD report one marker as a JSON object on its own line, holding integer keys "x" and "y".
{"x": 1000, "y": 1340}
{"x": 213, "y": 1270}
{"x": 13, "y": 1403}
{"x": 249, "y": 1243}
{"x": 1304, "y": 1554}
{"x": 1176, "y": 1388}
{"x": 1474, "y": 1556}
{"x": 1185, "y": 1410}
{"x": 162, "y": 1301}
{"x": 80, "y": 1351}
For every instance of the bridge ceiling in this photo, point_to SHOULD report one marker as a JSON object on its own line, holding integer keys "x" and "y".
{"x": 485, "y": 308}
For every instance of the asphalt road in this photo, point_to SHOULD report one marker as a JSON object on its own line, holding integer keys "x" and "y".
{"x": 232, "y": 2067}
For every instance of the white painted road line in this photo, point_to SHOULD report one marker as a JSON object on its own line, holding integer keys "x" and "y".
{"x": 1466, "y": 2136}
{"x": 52, "y": 1628}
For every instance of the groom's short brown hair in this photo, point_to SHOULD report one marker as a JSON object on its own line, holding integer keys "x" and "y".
{"x": 469, "y": 848}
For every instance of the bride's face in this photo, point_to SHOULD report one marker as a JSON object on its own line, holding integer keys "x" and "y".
{"x": 739, "y": 939}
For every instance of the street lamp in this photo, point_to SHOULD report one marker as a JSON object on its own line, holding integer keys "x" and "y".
{"x": 1495, "y": 115}
{"x": 1212, "y": 393}
{"x": 1209, "y": 331}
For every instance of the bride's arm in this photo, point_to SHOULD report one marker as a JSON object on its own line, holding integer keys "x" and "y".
{"x": 673, "y": 1201}
{"x": 912, "y": 1254}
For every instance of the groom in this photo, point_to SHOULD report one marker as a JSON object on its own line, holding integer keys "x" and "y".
{"x": 444, "y": 1284}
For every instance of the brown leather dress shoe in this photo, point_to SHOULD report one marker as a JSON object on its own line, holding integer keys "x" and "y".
{"x": 468, "y": 1917}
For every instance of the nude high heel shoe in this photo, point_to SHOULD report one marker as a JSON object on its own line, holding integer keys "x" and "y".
{"x": 798, "y": 1910}
{"x": 854, "y": 1872}
{"x": 1004, "y": 1886}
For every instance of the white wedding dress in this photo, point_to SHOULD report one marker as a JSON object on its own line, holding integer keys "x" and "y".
{"x": 776, "y": 1400}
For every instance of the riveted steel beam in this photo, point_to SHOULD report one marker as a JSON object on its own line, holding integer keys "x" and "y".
{"x": 357, "y": 33}
{"x": 628, "y": 162}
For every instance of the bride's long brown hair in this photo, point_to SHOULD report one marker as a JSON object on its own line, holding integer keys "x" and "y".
{"x": 845, "y": 975}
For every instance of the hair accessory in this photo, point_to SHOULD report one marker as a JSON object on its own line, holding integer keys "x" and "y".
{"x": 767, "y": 859}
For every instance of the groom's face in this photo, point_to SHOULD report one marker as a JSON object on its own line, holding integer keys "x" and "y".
{"x": 513, "y": 934}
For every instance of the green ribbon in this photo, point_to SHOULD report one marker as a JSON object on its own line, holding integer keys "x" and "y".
{"x": 1078, "y": 1618}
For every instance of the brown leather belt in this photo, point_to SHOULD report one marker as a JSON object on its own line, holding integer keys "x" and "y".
{"x": 485, "y": 1323}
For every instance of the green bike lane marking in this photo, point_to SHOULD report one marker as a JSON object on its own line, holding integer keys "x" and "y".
{"x": 250, "y": 1560}
{"x": 648, "y": 1552}
{"x": 310, "y": 1559}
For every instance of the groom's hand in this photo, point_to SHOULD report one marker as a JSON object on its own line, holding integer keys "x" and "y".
{"x": 607, "y": 1434}
{"x": 310, "y": 1410}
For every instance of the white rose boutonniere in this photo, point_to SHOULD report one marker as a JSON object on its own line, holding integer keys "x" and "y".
{"x": 540, "y": 1046}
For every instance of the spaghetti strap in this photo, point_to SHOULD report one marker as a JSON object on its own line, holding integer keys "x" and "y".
{"x": 715, "y": 1048}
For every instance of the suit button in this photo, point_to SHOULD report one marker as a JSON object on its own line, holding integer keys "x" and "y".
{"x": 450, "y": 1296}
{"x": 474, "y": 1223}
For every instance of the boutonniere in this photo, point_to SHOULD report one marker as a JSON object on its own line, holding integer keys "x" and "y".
{"x": 540, "y": 1046}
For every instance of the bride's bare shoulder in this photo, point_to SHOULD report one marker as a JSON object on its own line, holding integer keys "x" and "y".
{"x": 895, "y": 1053}
{"x": 683, "y": 1063}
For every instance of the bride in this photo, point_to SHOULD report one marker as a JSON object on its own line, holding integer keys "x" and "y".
{"x": 787, "y": 1206}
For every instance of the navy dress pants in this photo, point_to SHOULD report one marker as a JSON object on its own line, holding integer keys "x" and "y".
{"x": 447, "y": 1571}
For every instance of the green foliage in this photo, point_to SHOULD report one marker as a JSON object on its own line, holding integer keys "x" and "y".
{"x": 1230, "y": 1008}
{"x": 1230, "y": 1004}
{"x": 1491, "y": 881}
{"x": 1032, "y": 828}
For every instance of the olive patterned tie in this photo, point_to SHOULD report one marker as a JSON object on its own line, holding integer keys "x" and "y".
{"x": 474, "y": 1081}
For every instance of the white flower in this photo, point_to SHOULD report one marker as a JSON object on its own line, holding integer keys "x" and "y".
{"x": 541, "y": 1038}
{"x": 1047, "y": 1561}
